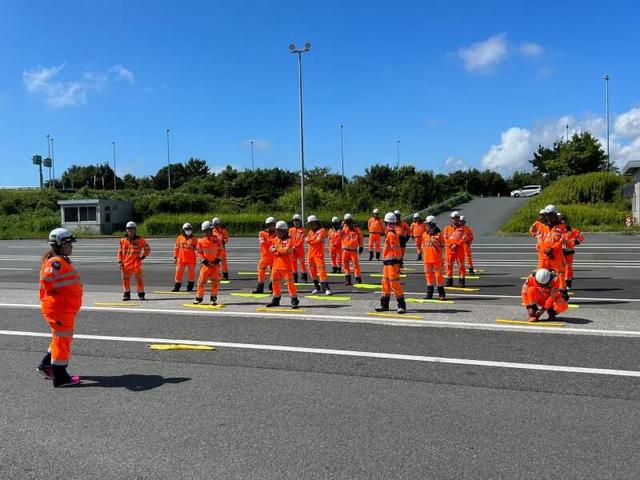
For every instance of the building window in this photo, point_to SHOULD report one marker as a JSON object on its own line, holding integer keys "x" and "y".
{"x": 70, "y": 214}
{"x": 87, "y": 214}
{"x": 107, "y": 214}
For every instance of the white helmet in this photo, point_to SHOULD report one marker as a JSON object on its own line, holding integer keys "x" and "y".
{"x": 131, "y": 225}
{"x": 296, "y": 217}
{"x": 335, "y": 220}
{"x": 269, "y": 220}
{"x": 543, "y": 276}
{"x": 454, "y": 214}
{"x": 390, "y": 217}
{"x": 59, "y": 236}
{"x": 187, "y": 226}
{"x": 348, "y": 216}
{"x": 542, "y": 212}
{"x": 206, "y": 225}
{"x": 431, "y": 219}
{"x": 282, "y": 225}
{"x": 215, "y": 221}
{"x": 550, "y": 209}
{"x": 376, "y": 211}
{"x": 416, "y": 215}
{"x": 312, "y": 218}
{"x": 396, "y": 212}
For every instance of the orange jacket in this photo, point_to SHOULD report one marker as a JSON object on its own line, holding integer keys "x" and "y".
{"x": 283, "y": 254}
{"x": 185, "y": 249}
{"x": 545, "y": 295}
{"x": 454, "y": 235}
{"x": 209, "y": 248}
{"x": 316, "y": 243}
{"x": 551, "y": 237}
{"x": 335, "y": 238}
{"x": 352, "y": 238}
{"x": 60, "y": 286}
{"x": 417, "y": 230}
{"x": 571, "y": 236}
{"x": 469, "y": 234}
{"x": 265, "y": 239}
{"x": 432, "y": 247}
{"x": 223, "y": 233}
{"x": 391, "y": 250}
{"x": 534, "y": 229}
{"x": 375, "y": 226}
{"x": 130, "y": 253}
{"x": 297, "y": 236}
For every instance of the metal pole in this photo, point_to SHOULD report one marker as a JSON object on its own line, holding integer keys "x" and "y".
{"x": 606, "y": 101}
{"x": 398, "y": 153}
{"x": 342, "y": 155}
{"x": 253, "y": 166}
{"x": 567, "y": 133}
{"x": 115, "y": 177}
{"x": 168, "y": 163}
{"x": 53, "y": 164}
{"x": 49, "y": 156}
{"x": 301, "y": 139}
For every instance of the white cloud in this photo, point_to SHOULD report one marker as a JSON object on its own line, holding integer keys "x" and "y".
{"x": 455, "y": 163}
{"x": 122, "y": 73}
{"x": 485, "y": 55}
{"x": 628, "y": 123}
{"x": 531, "y": 49}
{"x": 259, "y": 144}
{"x": 512, "y": 153}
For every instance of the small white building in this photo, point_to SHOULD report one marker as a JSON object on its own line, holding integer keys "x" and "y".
{"x": 633, "y": 168}
{"x": 95, "y": 215}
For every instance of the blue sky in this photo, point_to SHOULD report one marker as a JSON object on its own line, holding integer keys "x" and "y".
{"x": 459, "y": 83}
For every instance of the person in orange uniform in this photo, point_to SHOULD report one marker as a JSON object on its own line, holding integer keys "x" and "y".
{"x": 298, "y": 233}
{"x": 376, "y": 229}
{"x": 315, "y": 256}
{"x": 573, "y": 238}
{"x": 391, "y": 261}
{"x": 468, "y": 257}
{"x": 551, "y": 242}
{"x": 432, "y": 250}
{"x": 534, "y": 229}
{"x": 335, "y": 245}
{"x": 184, "y": 256}
{"x": 283, "y": 250}
{"x": 403, "y": 230}
{"x": 132, "y": 251}
{"x": 416, "y": 230}
{"x": 209, "y": 252}
{"x": 60, "y": 301}
{"x": 223, "y": 234}
{"x": 455, "y": 236}
{"x": 352, "y": 246}
{"x": 541, "y": 293}
{"x": 265, "y": 239}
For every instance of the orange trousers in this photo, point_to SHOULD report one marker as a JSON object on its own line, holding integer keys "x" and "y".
{"x": 557, "y": 303}
{"x": 191, "y": 271}
{"x": 317, "y": 268}
{"x": 556, "y": 264}
{"x": 391, "y": 281}
{"x": 298, "y": 256}
{"x": 418, "y": 245}
{"x": 223, "y": 261}
{"x": 568, "y": 268}
{"x": 336, "y": 256}
{"x": 263, "y": 264}
{"x": 126, "y": 280}
{"x": 277, "y": 276}
{"x": 62, "y": 325}
{"x": 467, "y": 254}
{"x": 432, "y": 270}
{"x": 453, "y": 257}
{"x": 351, "y": 257}
{"x": 208, "y": 272}
{"x": 374, "y": 242}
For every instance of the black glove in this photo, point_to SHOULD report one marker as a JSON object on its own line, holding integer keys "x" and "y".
{"x": 360, "y": 250}
{"x": 216, "y": 261}
{"x": 205, "y": 262}
{"x": 143, "y": 257}
{"x": 577, "y": 242}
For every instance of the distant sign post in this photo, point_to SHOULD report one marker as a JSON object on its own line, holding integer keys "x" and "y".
{"x": 37, "y": 160}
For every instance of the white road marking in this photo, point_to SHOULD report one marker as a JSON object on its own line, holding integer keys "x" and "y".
{"x": 350, "y": 353}
{"x": 11, "y": 268}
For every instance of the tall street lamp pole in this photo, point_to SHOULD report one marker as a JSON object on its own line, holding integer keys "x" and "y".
{"x": 567, "y": 133}
{"x": 606, "y": 101}
{"x": 49, "y": 156}
{"x": 398, "y": 153}
{"x": 115, "y": 177}
{"x": 53, "y": 164}
{"x": 299, "y": 52}
{"x": 342, "y": 155}
{"x": 168, "y": 163}
{"x": 253, "y": 165}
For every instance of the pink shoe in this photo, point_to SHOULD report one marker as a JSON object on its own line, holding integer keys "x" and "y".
{"x": 46, "y": 372}
{"x": 73, "y": 380}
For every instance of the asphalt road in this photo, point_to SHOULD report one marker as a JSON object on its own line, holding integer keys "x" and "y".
{"x": 329, "y": 391}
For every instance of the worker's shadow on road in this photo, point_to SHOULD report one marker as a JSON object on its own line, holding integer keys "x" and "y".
{"x": 576, "y": 321}
{"x": 133, "y": 382}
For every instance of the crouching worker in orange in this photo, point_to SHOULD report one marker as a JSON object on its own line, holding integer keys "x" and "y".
{"x": 432, "y": 250}
{"x": 60, "y": 300}
{"x": 573, "y": 238}
{"x": 283, "y": 250}
{"x": 210, "y": 254}
{"x": 265, "y": 240}
{"x": 352, "y": 246}
{"x": 315, "y": 256}
{"x": 335, "y": 245}
{"x": 391, "y": 261}
{"x": 541, "y": 293}
{"x": 133, "y": 250}
{"x": 184, "y": 256}
{"x": 223, "y": 233}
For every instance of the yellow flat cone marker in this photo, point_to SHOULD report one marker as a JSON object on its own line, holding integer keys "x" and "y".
{"x": 462, "y": 289}
{"x": 395, "y": 315}
{"x": 335, "y": 274}
{"x": 180, "y": 346}
{"x": 301, "y": 284}
{"x": 379, "y": 275}
{"x": 427, "y": 300}
{"x": 468, "y": 277}
{"x": 407, "y": 269}
{"x": 248, "y": 273}
{"x": 203, "y": 306}
{"x": 366, "y": 285}
{"x": 168, "y": 292}
{"x": 223, "y": 282}
{"x": 116, "y": 304}
{"x": 280, "y": 310}
{"x": 540, "y": 323}
{"x": 250, "y": 295}
{"x": 328, "y": 297}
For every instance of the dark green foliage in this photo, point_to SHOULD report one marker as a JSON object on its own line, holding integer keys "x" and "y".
{"x": 581, "y": 154}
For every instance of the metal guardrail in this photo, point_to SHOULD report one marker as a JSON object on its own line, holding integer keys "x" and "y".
{"x": 439, "y": 207}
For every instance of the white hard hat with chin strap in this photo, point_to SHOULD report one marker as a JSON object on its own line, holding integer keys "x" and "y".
{"x": 335, "y": 220}
{"x": 60, "y": 236}
{"x": 543, "y": 276}
{"x": 390, "y": 217}
{"x": 282, "y": 225}
{"x": 131, "y": 225}
{"x": 431, "y": 219}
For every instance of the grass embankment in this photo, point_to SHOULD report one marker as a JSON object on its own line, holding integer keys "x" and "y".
{"x": 592, "y": 202}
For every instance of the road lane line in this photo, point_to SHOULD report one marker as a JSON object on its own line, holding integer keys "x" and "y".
{"x": 349, "y": 353}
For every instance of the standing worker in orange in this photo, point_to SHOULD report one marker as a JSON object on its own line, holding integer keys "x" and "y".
{"x": 60, "y": 301}
{"x": 534, "y": 229}
{"x": 573, "y": 238}
{"x": 551, "y": 242}
{"x": 455, "y": 236}
{"x": 403, "y": 230}
{"x": 184, "y": 256}
{"x": 223, "y": 234}
{"x": 468, "y": 257}
{"x": 335, "y": 245}
{"x": 266, "y": 237}
{"x": 283, "y": 248}
{"x": 391, "y": 261}
{"x": 210, "y": 254}
{"x": 352, "y": 246}
{"x": 315, "y": 238}
{"x": 298, "y": 234}
{"x": 416, "y": 230}
{"x": 376, "y": 229}
{"x": 541, "y": 293}
{"x": 132, "y": 251}
{"x": 432, "y": 250}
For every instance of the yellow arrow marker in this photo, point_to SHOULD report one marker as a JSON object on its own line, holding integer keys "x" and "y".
{"x": 573, "y": 305}
{"x": 247, "y": 273}
{"x": 328, "y": 297}
{"x": 462, "y": 289}
{"x": 369, "y": 286}
{"x": 427, "y": 300}
{"x": 395, "y": 315}
{"x": 250, "y": 295}
{"x": 531, "y": 324}
{"x": 280, "y": 310}
{"x": 180, "y": 346}
{"x": 116, "y": 304}
{"x": 202, "y": 306}
{"x": 173, "y": 293}
{"x": 379, "y": 275}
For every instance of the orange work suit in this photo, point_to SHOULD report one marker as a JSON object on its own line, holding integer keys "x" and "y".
{"x": 335, "y": 246}
{"x": 416, "y": 230}
{"x": 223, "y": 234}
{"x": 376, "y": 229}
{"x": 352, "y": 240}
{"x": 265, "y": 240}
{"x": 297, "y": 236}
{"x": 184, "y": 254}
{"x": 551, "y": 241}
{"x": 315, "y": 255}
{"x": 60, "y": 300}
{"x": 130, "y": 255}
{"x": 573, "y": 237}
{"x": 468, "y": 258}
{"x": 391, "y": 260}
{"x": 534, "y": 229}
{"x": 432, "y": 250}
{"x": 543, "y": 296}
{"x": 282, "y": 268}
{"x": 209, "y": 252}
{"x": 404, "y": 233}
{"x": 454, "y": 239}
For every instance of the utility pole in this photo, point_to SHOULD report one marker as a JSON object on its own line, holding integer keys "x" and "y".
{"x": 253, "y": 166}
{"x": 398, "y": 153}
{"x": 53, "y": 164}
{"x": 48, "y": 161}
{"x": 606, "y": 101}
{"x": 567, "y": 132}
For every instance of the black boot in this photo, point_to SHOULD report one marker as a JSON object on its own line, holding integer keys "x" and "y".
{"x": 213, "y": 300}
{"x": 270, "y": 286}
{"x": 377, "y": 255}
{"x": 338, "y": 269}
{"x": 570, "y": 283}
{"x": 190, "y": 287}
{"x": 141, "y": 295}
{"x": 565, "y": 294}
{"x": 358, "y": 279}
{"x": 552, "y": 314}
{"x": 295, "y": 302}
{"x": 471, "y": 271}
{"x": 419, "y": 257}
{"x": 347, "y": 280}
{"x": 461, "y": 282}
{"x": 176, "y": 287}
{"x": 334, "y": 269}
{"x": 384, "y": 305}
{"x": 326, "y": 289}
{"x": 316, "y": 287}
{"x": 198, "y": 300}
{"x": 61, "y": 378}
{"x": 449, "y": 282}
{"x": 304, "y": 277}
{"x": 225, "y": 275}
{"x": 370, "y": 255}
{"x": 275, "y": 302}
{"x": 45, "y": 367}
{"x": 126, "y": 296}
{"x": 295, "y": 277}
{"x": 429, "y": 294}
{"x": 441, "y": 294}
{"x": 402, "y": 305}
{"x": 259, "y": 288}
